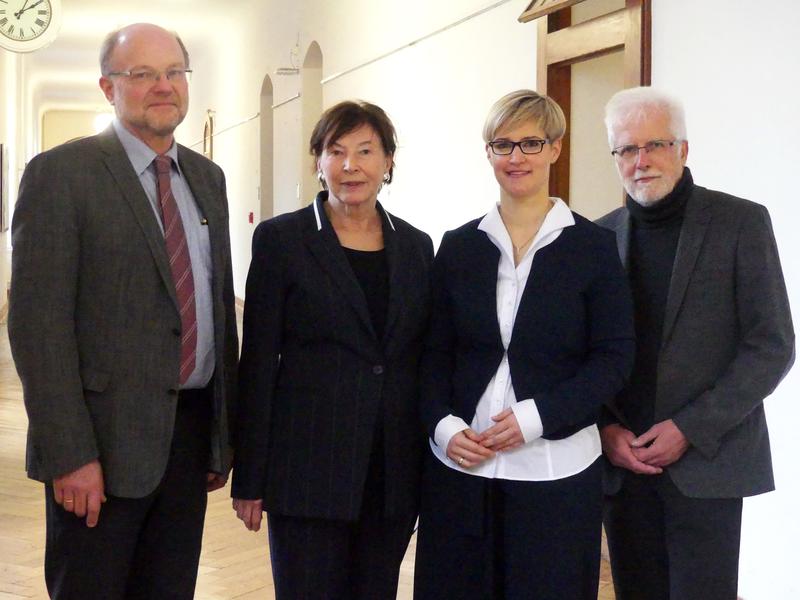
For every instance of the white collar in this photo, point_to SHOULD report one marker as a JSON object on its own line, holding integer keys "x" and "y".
{"x": 556, "y": 219}
{"x": 318, "y": 209}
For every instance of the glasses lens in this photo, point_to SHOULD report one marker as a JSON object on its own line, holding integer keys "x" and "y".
{"x": 143, "y": 76}
{"x": 627, "y": 152}
{"x": 657, "y": 146}
{"x": 502, "y": 147}
{"x": 177, "y": 74}
{"x": 531, "y": 146}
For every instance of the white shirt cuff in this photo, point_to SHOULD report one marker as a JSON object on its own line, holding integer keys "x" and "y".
{"x": 447, "y": 428}
{"x": 530, "y": 423}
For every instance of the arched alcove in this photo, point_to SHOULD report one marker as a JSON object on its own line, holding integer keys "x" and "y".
{"x": 311, "y": 98}
{"x": 266, "y": 203}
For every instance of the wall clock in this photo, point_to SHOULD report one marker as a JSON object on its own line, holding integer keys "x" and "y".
{"x": 27, "y": 25}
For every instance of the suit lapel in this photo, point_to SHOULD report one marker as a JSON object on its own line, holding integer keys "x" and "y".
{"x": 326, "y": 249}
{"x": 402, "y": 272}
{"x": 208, "y": 204}
{"x": 483, "y": 258}
{"x": 693, "y": 231}
{"x": 131, "y": 189}
{"x": 623, "y": 231}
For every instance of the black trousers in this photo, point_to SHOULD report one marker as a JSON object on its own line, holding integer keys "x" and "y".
{"x": 323, "y": 559}
{"x": 666, "y": 546}
{"x": 142, "y": 548}
{"x": 534, "y": 539}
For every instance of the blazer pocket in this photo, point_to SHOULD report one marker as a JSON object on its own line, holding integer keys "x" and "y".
{"x": 95, "y": 381}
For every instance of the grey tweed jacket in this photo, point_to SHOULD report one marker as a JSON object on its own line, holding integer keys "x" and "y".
{"x": 727, "y": 342}
{"x": 93, "y": 318}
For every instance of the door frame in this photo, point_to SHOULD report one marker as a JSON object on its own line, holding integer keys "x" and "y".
{"x": 561, "y": 44}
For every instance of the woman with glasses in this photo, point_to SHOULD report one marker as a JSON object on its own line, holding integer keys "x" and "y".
{"x": 328, "y": 435}
{"x": 531, "y": 332}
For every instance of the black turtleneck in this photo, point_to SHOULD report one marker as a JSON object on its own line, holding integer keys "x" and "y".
{"x": 655, "y": 230}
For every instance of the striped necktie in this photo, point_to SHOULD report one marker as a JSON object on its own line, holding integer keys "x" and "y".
{"x": 180, "y": 263}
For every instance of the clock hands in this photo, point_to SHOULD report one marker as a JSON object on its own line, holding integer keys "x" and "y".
{"x": 26, "y": 8}
{"x": 21, "y": 10}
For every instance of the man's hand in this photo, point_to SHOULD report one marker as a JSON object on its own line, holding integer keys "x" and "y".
{"x": 505, "y": 434}
{"x": 617, "y": 446}
{"x": 215, "y": 481}
{"x": 82, "y": 492}
{"x": 465, "y": 449}
{"x": 249, "y": 511}
{"x": 661, "y": 445}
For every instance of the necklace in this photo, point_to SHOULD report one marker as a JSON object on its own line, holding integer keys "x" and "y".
{"x": 518, "y": 249}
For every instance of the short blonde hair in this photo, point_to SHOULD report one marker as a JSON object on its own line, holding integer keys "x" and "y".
{"x": 523, "y": 106}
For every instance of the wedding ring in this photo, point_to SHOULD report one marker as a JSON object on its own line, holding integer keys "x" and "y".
{"x": 460, "y": 460}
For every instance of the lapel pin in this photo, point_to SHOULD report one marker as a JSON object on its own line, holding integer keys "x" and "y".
{"x": 203, "y": 221}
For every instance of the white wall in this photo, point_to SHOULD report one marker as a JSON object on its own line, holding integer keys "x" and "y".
{"x": 228, "y": 74}
{"x": 737, "y": 74}
{"x": 8, "y": 137}
{"x": 437, "y": 93}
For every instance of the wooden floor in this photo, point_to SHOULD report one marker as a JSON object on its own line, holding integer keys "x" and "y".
{"x": 234, "y": 562}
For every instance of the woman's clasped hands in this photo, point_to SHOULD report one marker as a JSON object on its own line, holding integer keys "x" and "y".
{"x": 469, "y": 448}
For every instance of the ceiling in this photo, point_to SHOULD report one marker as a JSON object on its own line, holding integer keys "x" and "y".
{"x": 66, "y": 72}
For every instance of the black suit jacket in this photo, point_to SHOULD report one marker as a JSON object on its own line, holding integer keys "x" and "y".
{"x": 572, "y": 345}
{"x": 315, "y": 377}
{"x": 94, "y": 322}
{"x": 727, "y": 342}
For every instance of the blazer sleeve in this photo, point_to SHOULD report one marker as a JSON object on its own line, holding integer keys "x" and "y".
{"x": 765, "y": 350}
{"x": 608, "y": 362}
{"x": 230, "y": 358}
{"x": 438, "y": 358}
{"x": 41, "y": 321}
{"x": 258, "y": 366}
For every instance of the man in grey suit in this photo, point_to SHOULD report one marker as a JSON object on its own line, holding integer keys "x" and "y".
{"x": 687, "y": 439}
{"x": 123, "y": 331}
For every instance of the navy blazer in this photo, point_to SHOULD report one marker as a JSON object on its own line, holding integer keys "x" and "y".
{"x": 314, "y": 376}
{"x": 573, "y": 340}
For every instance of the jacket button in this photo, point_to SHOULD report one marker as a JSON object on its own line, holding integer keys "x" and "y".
{"x": 176, "y": 331}
{"x": 378, "y": 369}
{"x": 172, "y": 392}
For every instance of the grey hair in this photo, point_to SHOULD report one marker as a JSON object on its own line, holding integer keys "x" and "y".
{"x": 111, "y": 42}
{"x": 635, "y": 103}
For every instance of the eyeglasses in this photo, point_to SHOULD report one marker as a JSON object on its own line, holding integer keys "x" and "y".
{"x": 150, "y": 76}
{"x": 630, "y": 152}
{"x": 506, "y": 147}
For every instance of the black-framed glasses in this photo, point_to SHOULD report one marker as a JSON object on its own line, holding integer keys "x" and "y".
{"x": 629, "y": 152}
{"x": 150, "y": 76}
{"x": 506, "y": 147}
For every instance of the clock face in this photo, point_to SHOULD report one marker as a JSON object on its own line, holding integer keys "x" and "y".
{"x": 27, "y": 25}
{"x": 22, "y": 20}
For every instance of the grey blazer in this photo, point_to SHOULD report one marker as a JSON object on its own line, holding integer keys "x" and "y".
{"x": 93, "y": 318}
{"x": 727, "y": 343}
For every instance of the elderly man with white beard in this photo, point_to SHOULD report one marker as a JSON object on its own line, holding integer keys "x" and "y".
{"x": 687, "y": 439}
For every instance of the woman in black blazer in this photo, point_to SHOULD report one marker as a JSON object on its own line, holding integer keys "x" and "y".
{"x": 328, "y": 438}
{"x": 531, "y": 331}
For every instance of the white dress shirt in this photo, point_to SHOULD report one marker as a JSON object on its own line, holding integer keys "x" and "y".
{"x": 537, "y": 459}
